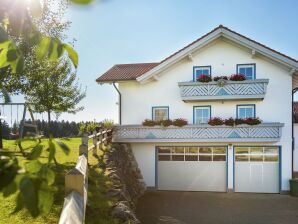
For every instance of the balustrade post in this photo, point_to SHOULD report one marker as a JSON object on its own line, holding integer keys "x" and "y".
{"x": 94, "y": 151}
{"x": 84, "y": 146}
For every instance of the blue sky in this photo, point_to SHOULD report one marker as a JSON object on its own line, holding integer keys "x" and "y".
{"x": 129, "y": 31}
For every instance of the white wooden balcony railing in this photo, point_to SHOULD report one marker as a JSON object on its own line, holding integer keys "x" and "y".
{"x": 265, "y": 132}
{"x": 227, "y": 90}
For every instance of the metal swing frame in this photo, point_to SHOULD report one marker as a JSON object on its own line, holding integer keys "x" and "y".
{"x": 27, "y": 106}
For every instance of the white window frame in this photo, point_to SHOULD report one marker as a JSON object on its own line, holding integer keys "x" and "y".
{"x": 196, "y": 68}
{"x": 253, "y": 66}
{"x": 246, "y": 106}
{"x": 158, "y": 108}
{"x": 196, "y": 108}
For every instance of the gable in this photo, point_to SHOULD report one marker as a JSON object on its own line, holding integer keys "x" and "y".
{"x": 151, "y": 72}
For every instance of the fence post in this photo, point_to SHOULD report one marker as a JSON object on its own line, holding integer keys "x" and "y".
{"x": 94, "y": 152}
{"x": 84, "y": 146}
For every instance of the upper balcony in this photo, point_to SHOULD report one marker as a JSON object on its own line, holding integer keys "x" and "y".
{"x": 265, "y": 132}
{"x": 220, "y": 91}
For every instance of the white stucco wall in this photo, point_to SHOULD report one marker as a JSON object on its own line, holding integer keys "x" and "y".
{"x": 138, "y": 99}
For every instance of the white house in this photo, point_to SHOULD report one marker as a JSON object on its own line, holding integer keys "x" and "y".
{"x": 198, "y": 156}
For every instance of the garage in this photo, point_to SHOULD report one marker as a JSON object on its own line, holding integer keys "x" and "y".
{"x": 192, "y": 168}
{"x": 256, "y": 169}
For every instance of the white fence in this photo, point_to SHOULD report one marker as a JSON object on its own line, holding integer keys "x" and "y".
{"x": 76, "y": 180}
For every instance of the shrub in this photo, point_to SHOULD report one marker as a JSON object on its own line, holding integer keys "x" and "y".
{"x": 216, "y": 78}
{"x": 166, "y": 123}
{"x": 230, "y": 122}
{"x": 215, "y": 121}
{"x": 180, "y": 122}
{"x": 204, "y": 78}
{"x": 252, "y": 121}
{"x": 237, "y": 77}
{"x": 149, "y": 123}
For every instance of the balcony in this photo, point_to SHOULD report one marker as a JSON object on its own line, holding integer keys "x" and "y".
{"x": 230, "y": 90}
{"x": 265, "y": 132}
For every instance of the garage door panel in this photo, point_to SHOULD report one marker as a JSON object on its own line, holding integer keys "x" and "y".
{"x": 171, "y": 175}
{"x": 192, "y": 174}
{"x": 242, "y": 173}
{"x": 205, "y": 176}
{"x": 261, "y": 176}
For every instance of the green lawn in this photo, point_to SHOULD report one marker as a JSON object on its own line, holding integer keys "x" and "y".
{"x": 98, "y": 207}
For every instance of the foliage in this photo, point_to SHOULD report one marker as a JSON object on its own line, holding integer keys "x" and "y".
{"x": 252, "y": 121}
{"x": 89, "y": 127}
{"x": 237, "y": 77}
{"x": 33, "y": 182}
{"x": 148, "y": 122}
{"x": 204, "y": 78}
{"x": 230, "y": 122}
{"x": 215, "y": 121}
{"x": 166, "y": 123}
{"x": 180, "y": 122}
{"x": 52, "y": 87}
{"x": 216, "y": 78}
{"x": 107, "y": 123}
{"x": 19, "y": 26}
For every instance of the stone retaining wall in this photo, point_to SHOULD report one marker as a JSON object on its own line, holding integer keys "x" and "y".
{"x": 128, "y": 184}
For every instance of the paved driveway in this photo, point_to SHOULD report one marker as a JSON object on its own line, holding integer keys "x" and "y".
{"x": 164, "y": 207}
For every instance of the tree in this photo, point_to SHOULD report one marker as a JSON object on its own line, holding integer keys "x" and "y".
{"x": 52, "y": 87}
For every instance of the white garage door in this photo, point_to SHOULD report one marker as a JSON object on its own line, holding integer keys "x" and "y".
{"x": 192, "y": 168}
{"x": 257, "y": 169}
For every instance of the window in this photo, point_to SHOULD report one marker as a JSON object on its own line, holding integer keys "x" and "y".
{"x": 249, "y": 70}
{"x": 256, "y": 154}
{"x": 201, "y": 70}
{"x": 202, "y": 114}
{"x": 245, "y": 111}
{"x": 192, "y": 153}
{"x": 160, "y": 113}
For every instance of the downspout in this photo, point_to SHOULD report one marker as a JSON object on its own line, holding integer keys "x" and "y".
{"x": 120, "y": 111}
{"x": 293, "y": 138}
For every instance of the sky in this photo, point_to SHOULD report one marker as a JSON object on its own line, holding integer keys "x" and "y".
{"x": 112, "y": 32}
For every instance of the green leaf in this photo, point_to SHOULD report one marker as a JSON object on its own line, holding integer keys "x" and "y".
{"x": 12, "y": 55}
{"x": 10, "y": 189}
{"x": 29, "y": 195}
{"x": 53, "y": 50}
{"x": 52, "y": 150}
{"x": 36, "y": 152}
{"x": 64, "y": 147}
{"x": 82, "y": 2}
{"x": 45, "y": 200}
{"x": 19, "y": 203}
{"x": 72, "y": 54}
{"x": 47, "y": 174}
{"x": 20, "y": 65}
{"x": 8, "y": 171}
{"x": 33, "y": 166}
{"x": 3, "y": 58}
{"x": 5, "y": 44}
{"x": 43, "y": 47}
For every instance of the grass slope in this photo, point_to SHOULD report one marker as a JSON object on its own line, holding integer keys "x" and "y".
{"x": 98, "y": 207}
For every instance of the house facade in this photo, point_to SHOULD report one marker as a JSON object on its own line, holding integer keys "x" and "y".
{"x": 199, "y": 156}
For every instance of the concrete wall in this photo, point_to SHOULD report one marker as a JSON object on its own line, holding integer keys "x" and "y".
{"x": 138, "y": 99}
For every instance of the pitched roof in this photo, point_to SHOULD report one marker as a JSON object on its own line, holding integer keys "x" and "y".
{"x": 123, "y": 72}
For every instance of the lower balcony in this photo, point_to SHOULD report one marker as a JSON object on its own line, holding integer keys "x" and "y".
{"x": 265, "y": 132}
